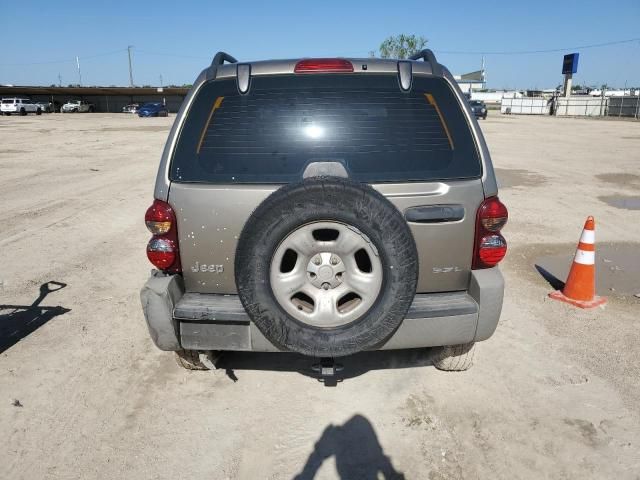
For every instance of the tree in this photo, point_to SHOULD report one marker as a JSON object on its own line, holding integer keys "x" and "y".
{"x": 402, "y": 46}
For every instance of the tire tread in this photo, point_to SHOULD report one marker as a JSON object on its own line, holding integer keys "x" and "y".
{"x": 455, "y": 358}
{"x": 189, "y": 359}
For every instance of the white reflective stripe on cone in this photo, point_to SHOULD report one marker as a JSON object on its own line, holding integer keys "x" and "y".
{"x": 584, "y": 257}
{"x": 588, "y": 236}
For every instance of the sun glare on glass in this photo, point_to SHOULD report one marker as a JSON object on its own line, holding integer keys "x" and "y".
{"x": 314, "y": 131}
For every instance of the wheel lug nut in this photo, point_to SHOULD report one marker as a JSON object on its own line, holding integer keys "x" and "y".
{"x": 334, "y": 261}
{"x": 317, "y": 261}
{"x": 326, "y": 286}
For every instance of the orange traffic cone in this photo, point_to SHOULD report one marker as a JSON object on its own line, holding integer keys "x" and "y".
{"x": 580, "y": 288}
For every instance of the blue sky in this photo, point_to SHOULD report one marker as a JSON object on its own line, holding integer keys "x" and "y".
{"x": 177, "y": 39}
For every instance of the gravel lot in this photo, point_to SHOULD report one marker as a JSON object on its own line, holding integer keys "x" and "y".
{"x": 554, "y": 394}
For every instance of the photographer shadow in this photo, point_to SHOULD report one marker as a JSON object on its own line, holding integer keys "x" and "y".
{"x": 357, "y": 452}
{"x": 22, "y": 320}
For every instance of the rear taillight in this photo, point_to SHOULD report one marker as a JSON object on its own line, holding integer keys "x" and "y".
{"x": 162, "y": 250}
{"x": 323, "y": 65}
{"x": 159, "y": 217}
{"x": 490, "y": 246}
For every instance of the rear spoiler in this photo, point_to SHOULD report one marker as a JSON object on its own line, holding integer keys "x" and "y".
{"x": 428, "y": 56}
{"x": 243, "y": 70}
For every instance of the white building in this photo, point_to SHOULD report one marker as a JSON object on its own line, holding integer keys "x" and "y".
{"x": 472, "y": 81}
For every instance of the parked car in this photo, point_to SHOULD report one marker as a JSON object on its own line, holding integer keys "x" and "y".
{"x": 153, "y": 110}
{"x": 131, "y": 108}
{"x": 77, "y": 106}
{"x": 479, "y": 108}
{"x": 302, "y": 206}
{"x": 46, "y": 107}
{"x": 21, "y": 106}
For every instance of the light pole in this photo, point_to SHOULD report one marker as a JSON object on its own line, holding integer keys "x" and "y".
{"x": 130, "y": 67}
{"x": 79, "y": 74}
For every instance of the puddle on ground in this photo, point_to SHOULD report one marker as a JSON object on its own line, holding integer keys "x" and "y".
{"x": 622, "y": 179}
{"x": 516, "y": 177}
{"x": 622, "y": 201}
{"x": 617, "y": 266}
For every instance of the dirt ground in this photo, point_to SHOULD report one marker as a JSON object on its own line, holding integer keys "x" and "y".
{"x": 84, "y": 394}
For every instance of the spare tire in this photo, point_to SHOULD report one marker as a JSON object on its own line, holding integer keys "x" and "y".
{"x": 326, "y": 267}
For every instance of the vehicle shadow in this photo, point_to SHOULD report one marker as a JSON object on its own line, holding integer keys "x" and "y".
{"x": 22, "y": 320}
{"x": 357, "y": 452}
{"x": 352, "y": 366}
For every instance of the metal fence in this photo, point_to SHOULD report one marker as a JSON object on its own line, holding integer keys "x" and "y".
{"x": 581, "y": 106}
{"x": 624, "y": 107}
{"x": 576, "y": 106}
{"x": 525, "y": 106}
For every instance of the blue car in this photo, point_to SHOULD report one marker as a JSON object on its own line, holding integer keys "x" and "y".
{"x": 153, "y": 110}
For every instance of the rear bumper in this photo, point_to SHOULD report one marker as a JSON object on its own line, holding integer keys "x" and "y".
{"x": 195, "y": 321}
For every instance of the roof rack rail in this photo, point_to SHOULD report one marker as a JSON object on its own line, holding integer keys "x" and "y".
{"x": 218, "y": 59}
{"x": 221, "y": 57}
{"x": 428, "y": 56}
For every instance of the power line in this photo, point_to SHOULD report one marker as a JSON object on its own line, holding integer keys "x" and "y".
{"x": 528, "y": 52}
{"x": 447, "y": 52}
{"x": 71, "y": 60}
{"x": 145, "y": 52}
{"x": 104, "y": 54}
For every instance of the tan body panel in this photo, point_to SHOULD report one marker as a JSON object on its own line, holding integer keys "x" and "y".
{"x": 208, "y": 233}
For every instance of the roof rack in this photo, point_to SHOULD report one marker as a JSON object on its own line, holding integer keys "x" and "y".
{"x": 428, "y": 56}
{"x": 218, "y": 59}
{"x": 221, "y": 57}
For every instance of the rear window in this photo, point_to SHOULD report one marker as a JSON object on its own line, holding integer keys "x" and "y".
{"x": 8, "y": 100}
{"x": 365, "y": 122}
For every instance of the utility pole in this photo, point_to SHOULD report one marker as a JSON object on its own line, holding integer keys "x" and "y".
{"x": 79, "y": 74}
{"x": 130, "y": 68}
{"x": 161, "y": 81}
{"x": 59, "y": 80}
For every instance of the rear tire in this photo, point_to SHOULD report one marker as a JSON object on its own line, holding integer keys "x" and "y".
{"x": 38, "y": 112}
{"x": 190, "y": 360}
{"x": 455, "y": 358}
{"x": 23, "y": 112}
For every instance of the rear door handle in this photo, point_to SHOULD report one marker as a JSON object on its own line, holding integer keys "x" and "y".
{"x": 434, "y": 213}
